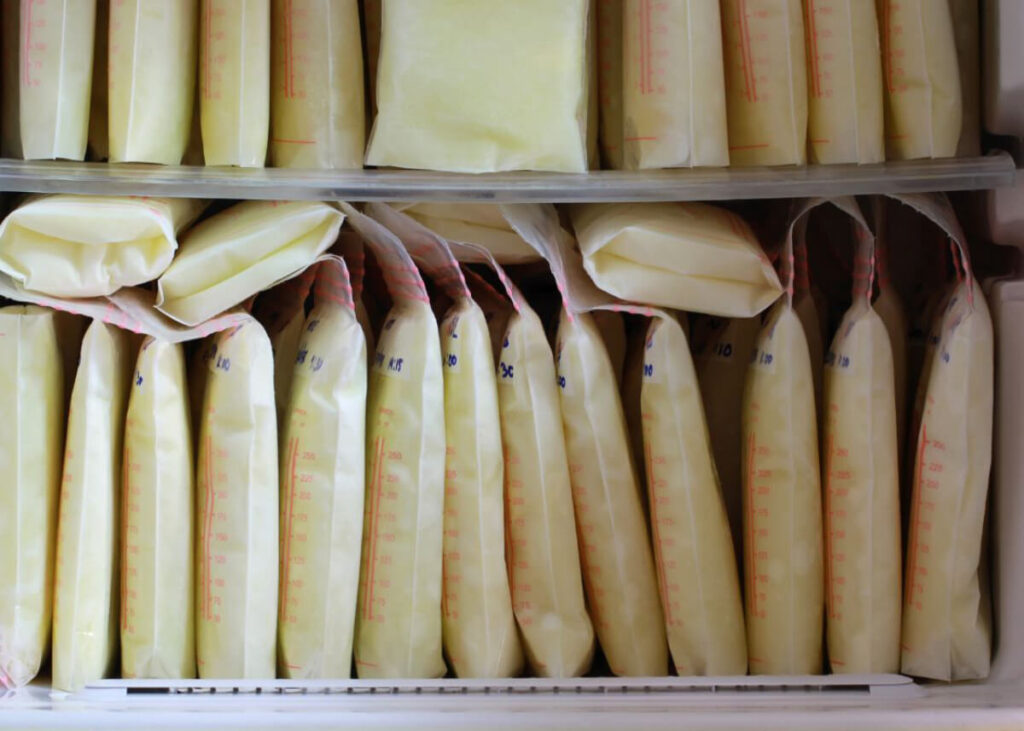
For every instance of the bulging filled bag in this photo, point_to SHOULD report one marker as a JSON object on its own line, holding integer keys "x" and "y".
{"x": 474, "y": 223}
{"x": 923, "y": 105}
{"x": 674, "y": 85}
{"x": 478, "y": 627}
{"x": 398, "y": 620}
{"x": 687, "y": 256}
{"x": 765, "y": 81}
{"x": 56, "y": 76}
{"x": 619, "y": 575}
{"x": 946, "y": 612}
{"x": 693, "y": 547}
{"x": 85, "y": 608}
{"x": 87, "y": 246}
{"x": 31, "y": 441}
{"x": 240, "y": 251}
{"x": 237, "y": 509}
{"x": 157, "y": 581}
{"x": 234, "y": 81}
{"x": 317, "y": 111}
{"x": 151, "y": 72}
{"x": 860, "y": 468}
{"x": 844, "y": 79}
{"x": 541, "y": 550}
{"x": 323, "y": 476}
{"x": 510, "y": 95}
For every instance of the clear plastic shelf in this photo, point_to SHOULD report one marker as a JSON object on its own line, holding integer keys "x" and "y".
{"x": 992, "y": 171}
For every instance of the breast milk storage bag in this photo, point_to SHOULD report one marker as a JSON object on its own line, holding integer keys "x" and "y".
{"x": 398, "y": 618}
{"x": 234, "y": 81}
{"x": 10, "y": 75}
{"x": 844, "y": 82}
{"x": 56, "y": 74}
{"x": 151, "y": 79}
{"x": 478, "y": 627}
{"x": 322, "y": 483}
{"x": 673, "y": 85}
{"x": 946, "y": 622}
{"x": 765, "y": 81}
{"x": 479, "y": 223}
{"x": 86, "y": 602}
{"x": 237, "y": 509}
{"x": 509, "y": 94}
{"x": 923, "y": 105}
{"x": 157, "y": 618}
{"x": 31, "y": 441}
{"x": 317, "y": 112}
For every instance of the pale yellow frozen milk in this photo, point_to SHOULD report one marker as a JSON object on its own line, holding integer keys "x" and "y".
{"x": 618, "y": 568}
{"x": 151, "y": 79}
{"x": 687, "y": 256}
{"x": 543, "y": 558}
{"x": 782, "y": 521}
{"x": 673, "y": 84}
{"x": 10, "y": 72}
{"x": 890, "y": 309}
{"x": 285, "y": 343}
{"x": 237, "y": 510}
{"x": 609, "y": 80}
{"x": 860, "y": 468}
{"x": 693, "y": 548}
{"x": 86, "y": 602}
{"x": 479, "y": 629}
{"x": 844, "y": 82}
{"x": 157, "y": 584}
{"x": 923, "y": 105}
{"x": 765, "y": 81}
{"x": 807, "y": 312}
{"x": 56, "y": 77}
{"x": 322, "y": 483}
{"x": 234, "y": 81}
{"x": 31, "y": 442}
{"x": 510, "y": 95}
{"x": 476, "y": 223}
{"x": 946, "y": 612}
{"x": 317, "y": 111}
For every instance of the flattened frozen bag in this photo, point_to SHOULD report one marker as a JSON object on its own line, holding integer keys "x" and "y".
{"x": 86, "y": 246}
{"x": 85, "y": 610}
{"x": 619, "y": 575}
{"x": 946, "y": 612}
{"x": 31, "y": 441}
{"x": 398, "y": 620}
{"x": 687, "y": 256}
{"x": 251, "y": 246}
{"x": 478, "y": 627}
{"x": 476, "y": 223}
{"x": 323, "y": 476}
{"x": 157, "y": 619}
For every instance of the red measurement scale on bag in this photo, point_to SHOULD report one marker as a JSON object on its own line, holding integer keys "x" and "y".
{"x": 131, "y": 510}
{"x": 215, "y": 500}
{"x": 652, "y": 46}
{"x": 34, "y": 40}
{"x": 837, "y": 495}
{"x": 661, "y": 509}
{"x": 930, "y": 465}
{"x": 758, "y": 498}
{"x": 296, "y": 496}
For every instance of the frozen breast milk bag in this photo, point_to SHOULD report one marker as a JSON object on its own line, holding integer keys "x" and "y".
{"x": 946, "y": 620}
{"x": 86, "y": 246}
{"x": 240, "y": 251}
{"x": 923, "y": 105}
{"x": 237, "y": 510}
{"x": 56, "y": 75}
{"x": 511, "y": 95}
{"x": 157, "y": 584}
{"x": 151, "y": 73}
{"x": 398, "y": 618}
{"x": 474, "y": 223}
{"x": 478, "y": 627}
{"x": 234, "y": 81}
{"x": 609, "y": 80}
{"x": 542, "y": 555}
{"x": 693, "y": 547}
{"x": 765, "y": 81}
{"x": 619, "y": 575}
{"x": 317, "y": 111}
{"x": 10, "y": 73}
{"x": 860, "y": 468}
{"x": 844, "y": 82}
{"x": 966, "y": 22}
{"x": 688, "y": 256}
{"x": 323, "y": 476}
{"x": 85, "y": 610}
{"x": 673, "y": 85}
{"x": 31, "y": 439}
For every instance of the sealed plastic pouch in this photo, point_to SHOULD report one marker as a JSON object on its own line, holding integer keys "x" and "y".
{"x": 474, "y": 223}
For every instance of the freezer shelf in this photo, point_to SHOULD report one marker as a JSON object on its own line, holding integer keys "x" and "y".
{"x": 917, "y": 176}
